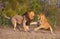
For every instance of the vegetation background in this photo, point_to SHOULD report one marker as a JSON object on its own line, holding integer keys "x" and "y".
{"x": 51, "y": 8}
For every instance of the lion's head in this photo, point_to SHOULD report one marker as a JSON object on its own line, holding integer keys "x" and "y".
{"x": 29, "y": 14}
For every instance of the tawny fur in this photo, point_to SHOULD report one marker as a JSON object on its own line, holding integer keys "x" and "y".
{"x": 43, "y": 23}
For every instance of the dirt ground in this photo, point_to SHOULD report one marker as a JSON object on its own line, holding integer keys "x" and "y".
{"x": 8, "y": 33}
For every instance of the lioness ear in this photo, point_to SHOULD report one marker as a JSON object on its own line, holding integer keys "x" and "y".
{"x": 38, "y": 15}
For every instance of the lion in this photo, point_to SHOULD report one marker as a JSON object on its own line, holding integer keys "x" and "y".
{"x": 43, "y": 23}
{"x": 23, "y": 20}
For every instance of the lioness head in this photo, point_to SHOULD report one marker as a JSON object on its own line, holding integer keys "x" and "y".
{"x": 39, "y": 15}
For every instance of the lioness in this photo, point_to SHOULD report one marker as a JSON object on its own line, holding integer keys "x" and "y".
{"x": 43, "y": 23}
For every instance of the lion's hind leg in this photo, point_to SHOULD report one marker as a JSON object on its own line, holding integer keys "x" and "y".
{"x": 51, "y": 29}
{"x": 14, "y": 24}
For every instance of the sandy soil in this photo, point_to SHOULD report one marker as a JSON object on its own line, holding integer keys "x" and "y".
{"x": 8, "y": 33}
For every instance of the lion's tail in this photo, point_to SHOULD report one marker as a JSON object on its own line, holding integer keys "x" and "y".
{"x": 6, "y": 16}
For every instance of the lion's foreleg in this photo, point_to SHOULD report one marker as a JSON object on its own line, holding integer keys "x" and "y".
{"x": 36, "y": 29}
{"x": 26, "y": 28}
